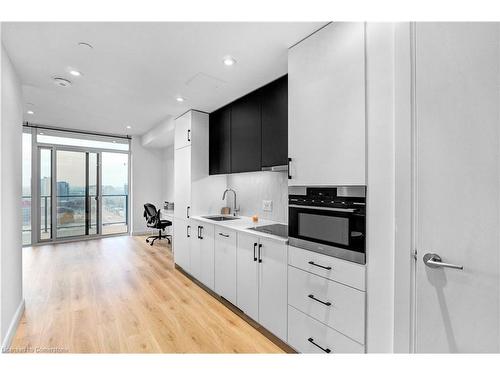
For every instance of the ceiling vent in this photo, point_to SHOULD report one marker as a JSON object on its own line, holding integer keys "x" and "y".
{"x": 62, "y": 82}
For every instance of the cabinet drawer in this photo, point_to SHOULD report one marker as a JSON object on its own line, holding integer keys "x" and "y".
{"x": 336, "y": 305}
{"x": 303, "y": 329}
{"x": 335, "y": 269}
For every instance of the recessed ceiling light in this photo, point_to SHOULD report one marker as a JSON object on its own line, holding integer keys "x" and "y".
{"x": 128, "y": 127}
{"x": 180, "y": 99}
{"x": 86, "y": 45}
{"x": 30, "y": 112}
{"x": 229, "y": 60}
{"x": 62, "y": 82}
{"x": 75, "y": 73}
{"x": 114, "y": 141}
{"x": 41, "y": 133}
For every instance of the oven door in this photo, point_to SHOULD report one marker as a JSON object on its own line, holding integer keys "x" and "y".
{"x": 336, "y": 232}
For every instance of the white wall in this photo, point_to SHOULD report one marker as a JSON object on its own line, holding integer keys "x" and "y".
{"x": 10, "y": 199}
{"x": 168, "y": 173}
{"x": 254, "y": 187}
{"x": 147, "y": 182}
{"x": 380, "y": 193}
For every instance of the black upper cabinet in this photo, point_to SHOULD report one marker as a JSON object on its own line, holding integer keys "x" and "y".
{"x": 246, "y": 134}
{"x": 251, "y": 132}
{"x": 220, "y": 141}
{"x": 274, "y": 104}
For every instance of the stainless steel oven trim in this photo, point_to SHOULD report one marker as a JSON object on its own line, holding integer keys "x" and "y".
{"x": 333, "y": 251}
{"x": 351, "y": 210}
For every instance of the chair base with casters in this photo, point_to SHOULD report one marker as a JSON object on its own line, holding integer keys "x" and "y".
{"x": 168, "y": 237}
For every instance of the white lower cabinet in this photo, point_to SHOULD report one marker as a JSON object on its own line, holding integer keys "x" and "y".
{"x": 182, "y": 230}
{"x": 336, "y": 305}
{"x": 326, "y": 303}
{"x": 202, "y": 252}
{"x": 307, "y": 335}
{"x": 248, "y": 275}
{"x": 262, "y": 282}
{"x": 225, "y": 263}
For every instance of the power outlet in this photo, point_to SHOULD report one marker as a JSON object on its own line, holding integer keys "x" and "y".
{"x": 267, "y": 206}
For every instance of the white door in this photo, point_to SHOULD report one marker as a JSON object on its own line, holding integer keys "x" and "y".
{"x": 326, "y": 111}
{"x": 225, "y": 263}
{"x": 206, "y": 233}
{"x": 457, "y": 186}
{"x": 182, "y": 132}
{"x": 273, "y": 286}
{"x": 182, "y": 182}
{"x": 181, "y": 240}
{"x": 247, "y": 275}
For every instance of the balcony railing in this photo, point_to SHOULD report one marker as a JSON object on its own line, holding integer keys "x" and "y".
{"x": 71, "y": 213}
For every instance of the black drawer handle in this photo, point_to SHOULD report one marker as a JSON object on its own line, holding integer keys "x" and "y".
{"x": 223, "y": 235}
{"x": 311, "y": 296}
{"x": 311, "y": 340}
{"x": 187, "y": 230}
{"x": 260, "y": 253}
{"x": 254, "y": 257}
{"x": 320, "y": 266}
{"x": 289, "y": 174}
{"x": 200, "y": 236}
{"x": 189, "y": 132}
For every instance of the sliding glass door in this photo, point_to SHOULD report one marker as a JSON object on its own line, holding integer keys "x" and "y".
{"x": 76, "y": 194}
{"x": 80, "y": 185}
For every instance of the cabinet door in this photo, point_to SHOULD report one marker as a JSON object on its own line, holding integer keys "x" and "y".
{"x": 206, "y": 232}
{"x": 182, "y": 243}
{"x": 326, "y": 97}
{"x": 182, "y": 132}
{"x": 274, "y": 104}
{"x": 195, "y": 250}
{"x": 225, "y": 263}
{"x": 273, "y": 287}
{"x": 248, "y": 275}
{"x": 246, "y": 134}
{"x": 220, "y": 141}
{"x": 182, "y": 182}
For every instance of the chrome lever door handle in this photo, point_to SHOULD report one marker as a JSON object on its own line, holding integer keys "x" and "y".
{"x": 434, "y": 261}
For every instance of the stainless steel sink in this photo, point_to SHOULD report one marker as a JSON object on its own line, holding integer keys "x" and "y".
{"x": 220, "y": 218}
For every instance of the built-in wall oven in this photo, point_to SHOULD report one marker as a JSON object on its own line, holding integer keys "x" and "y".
{"x": 328, "y": 220}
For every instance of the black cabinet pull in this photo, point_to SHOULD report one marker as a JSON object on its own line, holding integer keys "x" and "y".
{"x": 189, "y": 133}
{"x": 311, "y": 340}
{"x": 254, "y": 247}
{"x": 319, "y": 265}
{"x": 289, "y": 175}
{"x": 187, "y": 230}
{"x": 223, "y": 235}
{"x": 187, "y": 211}
{"x": 311, "y": 296}
{"x": 260, "y": 253}
{"x": 201, "y": 233}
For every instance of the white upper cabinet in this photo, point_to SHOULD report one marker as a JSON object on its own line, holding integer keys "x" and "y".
{"x": 326, "y": 107}
{"x": 183, "y": 131}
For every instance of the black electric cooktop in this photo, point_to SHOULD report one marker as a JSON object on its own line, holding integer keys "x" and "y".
{"x": 280, "y": 230}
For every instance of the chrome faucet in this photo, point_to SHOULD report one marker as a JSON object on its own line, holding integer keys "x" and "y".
{"x": 235, "y": 209}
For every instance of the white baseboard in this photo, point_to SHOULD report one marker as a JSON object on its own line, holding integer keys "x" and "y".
{"x": 13, "y": 326}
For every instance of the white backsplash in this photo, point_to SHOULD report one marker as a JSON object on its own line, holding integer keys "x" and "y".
{"x": 254, "y": 187}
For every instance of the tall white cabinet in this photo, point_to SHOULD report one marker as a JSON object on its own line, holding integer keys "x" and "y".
{"x": 326, "y": 107}
{"x": 195, "y": 192}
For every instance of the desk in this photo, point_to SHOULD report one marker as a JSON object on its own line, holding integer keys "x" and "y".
{"x": 168, "y": 215}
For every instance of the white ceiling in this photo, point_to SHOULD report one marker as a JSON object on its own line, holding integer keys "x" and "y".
{"x": 135, "y": 70}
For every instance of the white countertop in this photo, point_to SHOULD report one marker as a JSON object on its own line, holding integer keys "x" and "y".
{"x": 242, "y": 224}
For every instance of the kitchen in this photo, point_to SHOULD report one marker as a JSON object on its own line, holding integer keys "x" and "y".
{"x": 304, "y": 201}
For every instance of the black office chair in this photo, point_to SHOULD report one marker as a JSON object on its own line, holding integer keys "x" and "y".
{"x": 153, "y": 220}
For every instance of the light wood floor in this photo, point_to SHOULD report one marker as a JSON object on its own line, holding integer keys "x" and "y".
{"x": 120, "y": 295}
